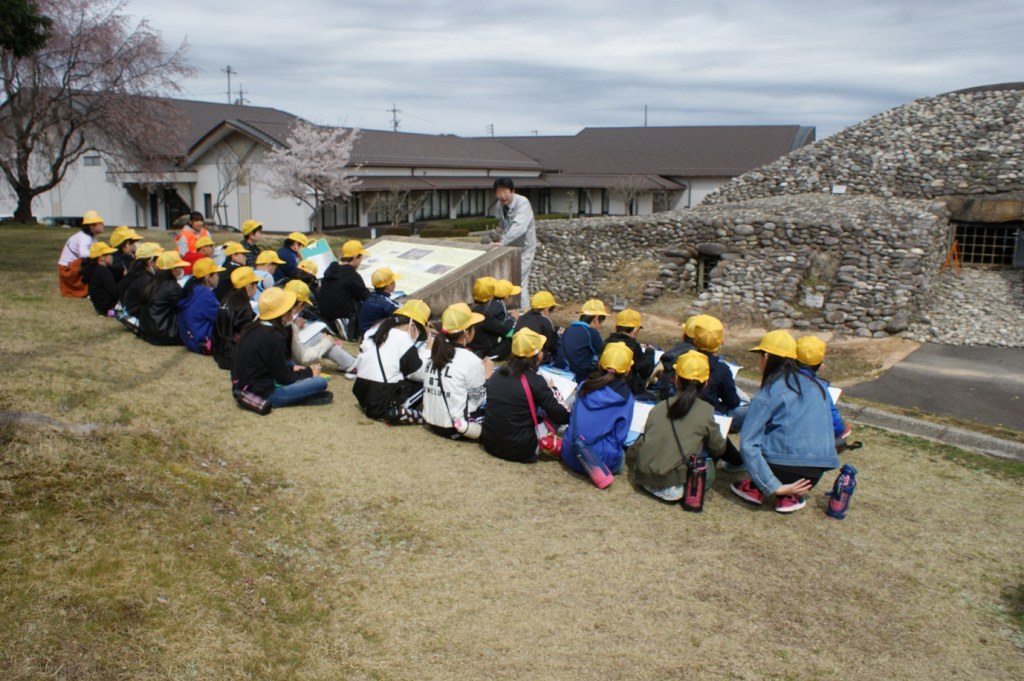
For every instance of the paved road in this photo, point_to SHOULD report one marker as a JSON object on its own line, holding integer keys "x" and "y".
{"x": 978, "y": 383}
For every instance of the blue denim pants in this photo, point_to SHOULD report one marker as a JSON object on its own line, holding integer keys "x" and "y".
{"x": 298, "y": 391}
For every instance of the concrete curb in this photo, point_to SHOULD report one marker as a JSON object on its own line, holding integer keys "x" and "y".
{"x": 906, "y": 425}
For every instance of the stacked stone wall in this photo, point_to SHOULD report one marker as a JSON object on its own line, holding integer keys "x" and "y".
{"x": 955, "y": 144}
{"x": 851, "y": 264}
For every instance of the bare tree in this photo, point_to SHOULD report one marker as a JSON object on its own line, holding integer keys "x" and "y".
{"x": 666, "y": 199}
{"x": 231, "y": 171}
{"x": 95, "y": 84}
{"x": 312, "y": 166}
{"x": 398, "y": 204}
{"x": 628, "y": 188}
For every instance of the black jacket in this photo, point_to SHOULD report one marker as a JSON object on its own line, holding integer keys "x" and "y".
{"x": 235, "y": 312}
{"x": 643, "y": 362}
{"x": 720, "y": 392}
{"x": 122, "y": 263}
{"x": 537, "y": 322}
{"x": 224, "y": 286}
{"x": 129, "y": 291}
{"x": 508, "y": 429}
{"x": 254, "y": 251}
{"x": 491, "y": 335}
{"x": 342, "y": 291}
{"x": 261, "y": 360}
{"x": 158, "y": 314}
{"x": 102, "y": 290}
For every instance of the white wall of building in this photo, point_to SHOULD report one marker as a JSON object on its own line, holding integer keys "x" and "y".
{"x": 89, "y": 188}
{"x": 697, "y": 189}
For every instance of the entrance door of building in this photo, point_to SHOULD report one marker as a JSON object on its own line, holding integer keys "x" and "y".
{"x": 989, "y": 243}
{"x": 174, "y": 207}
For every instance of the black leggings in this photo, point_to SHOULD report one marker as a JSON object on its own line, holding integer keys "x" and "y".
{"x": 787, "y": 475}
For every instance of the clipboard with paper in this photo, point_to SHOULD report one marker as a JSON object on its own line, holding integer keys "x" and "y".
{"x": 564, "y": 381}
{"x": 320, "y": 253}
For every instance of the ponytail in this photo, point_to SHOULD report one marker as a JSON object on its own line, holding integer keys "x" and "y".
{"x": 686, "y": 394}
{"x": 598, "y": 378}
{"x": 443, "y": 350}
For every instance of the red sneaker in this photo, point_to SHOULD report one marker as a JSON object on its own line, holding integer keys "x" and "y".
{"x": 789, "y": 503}
{"x": 746, "y": 490}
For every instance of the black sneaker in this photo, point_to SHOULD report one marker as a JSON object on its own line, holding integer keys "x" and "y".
{"x": 325, "y": 397}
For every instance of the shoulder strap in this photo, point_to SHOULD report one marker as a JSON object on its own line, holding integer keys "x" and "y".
{"x": 676, "y": 436}
{"x": 529, "y": 398}
{"x": 383, "y": 374}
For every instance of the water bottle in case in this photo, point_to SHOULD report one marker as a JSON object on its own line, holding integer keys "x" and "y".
{"x": 696, "y": 482}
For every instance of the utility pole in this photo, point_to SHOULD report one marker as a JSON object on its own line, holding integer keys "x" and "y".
{"x": 394, "y": 111}
{"x": 534, "y": 132}
{"x": 645, "y": 115}
{"x": 241, "y": 101}
{"x": 228, "y": 70}
{"x": 490, "y": 129}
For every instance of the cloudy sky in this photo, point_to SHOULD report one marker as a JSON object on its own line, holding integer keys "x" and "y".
{"x": 556, "y": 66}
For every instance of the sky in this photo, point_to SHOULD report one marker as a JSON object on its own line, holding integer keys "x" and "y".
{"x": 557, "y": 66}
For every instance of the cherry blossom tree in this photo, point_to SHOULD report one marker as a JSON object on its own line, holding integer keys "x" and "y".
{"x": 97, "y": 84}
{"x": 313, "y": 167}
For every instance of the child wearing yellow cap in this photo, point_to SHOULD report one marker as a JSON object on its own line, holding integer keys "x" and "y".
{"x": 581, "y": 345}
{"x": 538, "y": 320}
{"x": 379, "y": 305}
{"x": 343, "y": 291}
{"x": 786, "y": 442}
{"x": 125, "y": 240}
{"x": 129, "y": 291}
{"x": 455, "y": 387}
{"x": 252, "y": 234}
{"x": 100, "y": 278}
{"x": 810, "y": 355}
{"x": 493, "y": 337}
{"x": 627, "y": 330}
{"x": 667, "y": 385}
{"x": 720, "y": 391}
{"x": 261, "y": 365}
{"x": 158, "y": 305}
{"x": 320, "y": 344}
{"x": 290, "y": 254}
{"x": 602, "y": 412}
{"x": 197, "y": 309}
{"x": 509, "y": 430}
{"x": 390, "y": 370}
{"x": 235, "y": 311}
{"x": 203, "y": 247}
{"x": 75, "y": 253}
{"x": 234, "y": 257}
{"x": 677, "y": 429}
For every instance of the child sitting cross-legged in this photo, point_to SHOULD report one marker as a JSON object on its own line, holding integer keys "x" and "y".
{"x": 677, "y": 430}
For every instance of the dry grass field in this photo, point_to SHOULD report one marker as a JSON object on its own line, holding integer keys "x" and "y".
{"x": 187, "y": 538}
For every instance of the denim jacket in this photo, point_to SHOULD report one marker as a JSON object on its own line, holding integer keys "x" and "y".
{"x": 787, "y": 429}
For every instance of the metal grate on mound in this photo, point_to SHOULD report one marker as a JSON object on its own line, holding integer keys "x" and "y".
{"x": 986, "y": 243}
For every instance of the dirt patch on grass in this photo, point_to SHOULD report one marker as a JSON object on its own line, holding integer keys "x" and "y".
{"x": 433, "y": 559}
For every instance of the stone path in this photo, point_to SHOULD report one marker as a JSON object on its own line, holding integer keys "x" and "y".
{"x": 981, "y": 306}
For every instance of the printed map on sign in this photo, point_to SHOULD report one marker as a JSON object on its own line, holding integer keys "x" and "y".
{"x": 419, "y": 265}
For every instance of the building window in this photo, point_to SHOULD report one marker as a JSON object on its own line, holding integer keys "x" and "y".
{"x": 208, "y": 205}
{"x": 92, "y": 160}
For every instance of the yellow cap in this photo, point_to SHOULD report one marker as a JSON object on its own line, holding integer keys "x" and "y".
{"x": 689, "y": 324}
{"x": 810, "y": 350}
{"x": 594, "y": 308}
{"x": 250, "y": 226}
{"x": 268, "y": 257}
{"x": 483, "y": 289}
{"x": 168, "y": 260}
{"x": 352, "y": 248}
{"x": 616, "y": 357}
{"x": 148, "y": 249}
{"x": 299, "y": 238}
{"x": 542, "y": 300}
{"x": 777, "y": 343}
{"x": 415, "y": 310}
{"x": 692, "y": 366}
{"x": 243, "y": 276}
{"x": 707, "y": 333}
{"x": 527, "y": 342}
{"x": 91, "y": 217}
{"x": 383, "y": 277}
{"x": 505, "y": 288}
{"x": 231, "y": 248}
{"x": 99, "y": 249}
{"x": 459, "y": 317}
{"x": 204, "y": 267}
{"x": 300, "y": 289}
{"x": 628, "y": 319}
{"x": 122, "y": 234}
{"x": 203, "y": 241}
{"x": 308, "y": 266}
{"x": 274, "y": 302}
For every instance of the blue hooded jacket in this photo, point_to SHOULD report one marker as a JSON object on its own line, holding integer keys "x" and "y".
{"x": 579, "y": 349}
{"x": 197, "y": 313}
{"x": 603, "y": 418}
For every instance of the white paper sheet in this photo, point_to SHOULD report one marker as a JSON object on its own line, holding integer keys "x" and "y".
{"x": 734, "y": 368}
{"x": 309, "y": 330}
{"x": 724, "y": 423}
{"x": 834, "y": 392}
{"x": 563, "y": 380}
{"x": 641, "y": 410}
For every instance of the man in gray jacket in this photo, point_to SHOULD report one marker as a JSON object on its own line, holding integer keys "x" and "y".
{"x": 515, "y": 215}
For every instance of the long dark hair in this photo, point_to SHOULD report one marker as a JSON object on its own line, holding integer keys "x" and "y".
{"x": 517, "y": 366}
{"x": 276, "y": 324}
{"x": 598, "y": 378}
{"x": 391, "y": 322}
{"x": 787, "y": 369}
{"x": 158, "y": 280}
{"x": 443, "y": 350}
{"x": 88, "y": 267}
{"x": 687, "y": 392}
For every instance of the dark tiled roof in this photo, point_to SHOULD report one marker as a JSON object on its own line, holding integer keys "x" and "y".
{"x": 595, "y": 181}
{"x": 202, "y": 117}
{"x": 382, "y": 148}
{"x": 370, "y": 183}
{"x": 708, "y": 151}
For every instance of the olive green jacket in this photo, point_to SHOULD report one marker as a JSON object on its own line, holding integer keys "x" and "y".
{"x": 659, "y": 462}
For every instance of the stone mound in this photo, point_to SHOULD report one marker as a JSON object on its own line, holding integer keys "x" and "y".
{"x": 960, "y": 143}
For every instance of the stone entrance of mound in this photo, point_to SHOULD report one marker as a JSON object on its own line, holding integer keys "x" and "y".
{"x": 989, "y": 230}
